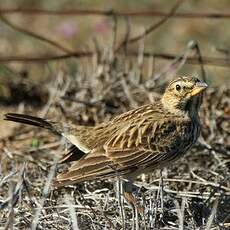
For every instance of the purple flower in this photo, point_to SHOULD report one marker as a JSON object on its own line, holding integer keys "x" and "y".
{"x": 67, "y": 29}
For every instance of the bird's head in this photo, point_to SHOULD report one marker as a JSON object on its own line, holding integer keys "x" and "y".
{"x": 184, "y": 95}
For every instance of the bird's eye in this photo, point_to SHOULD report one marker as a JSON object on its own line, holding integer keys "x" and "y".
{"x": 178, "y": 87}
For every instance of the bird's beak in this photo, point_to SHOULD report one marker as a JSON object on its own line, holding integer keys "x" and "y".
{"x": 198, "y": 88}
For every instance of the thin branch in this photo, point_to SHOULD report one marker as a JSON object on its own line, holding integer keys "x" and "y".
{"x": 211, "y": 61}
{"x": 115, "y": 30}
{"x": 95, "y": 12}
{"x": 212, "y": 216}
{"x": 45, "y": 58}
{"x": 72, "y": 212}
{"x": 200, "y": 59}
{"x": 34, "y": 35}
{"x": 173, "y": 67}
{"x": 152, "y": 27}
{"x": 46, "y": 190}
{"x": 127, "y": 34}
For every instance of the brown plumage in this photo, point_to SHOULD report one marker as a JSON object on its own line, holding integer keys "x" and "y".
{"x": 134, "y": 142}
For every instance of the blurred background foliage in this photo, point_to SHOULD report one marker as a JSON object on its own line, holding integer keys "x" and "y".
{"x": 77, "y": 32}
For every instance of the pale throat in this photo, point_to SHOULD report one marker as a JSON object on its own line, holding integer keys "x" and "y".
{"x": 171, "y": 104}
{"x": 182, "y": 108}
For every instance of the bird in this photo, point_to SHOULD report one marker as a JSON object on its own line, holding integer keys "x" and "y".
{"x": 138, "y": 141}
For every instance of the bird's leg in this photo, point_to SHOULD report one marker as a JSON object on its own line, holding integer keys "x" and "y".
{"x": 128, "y": 188}
{"x": 131, "y": 200}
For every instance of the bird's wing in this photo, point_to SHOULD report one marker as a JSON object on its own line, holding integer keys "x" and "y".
{"x": 135, "y": 145}
{"x": 73, "y": 154}
{"x": 130, "y": 148}
{"x": 94, "y": 164}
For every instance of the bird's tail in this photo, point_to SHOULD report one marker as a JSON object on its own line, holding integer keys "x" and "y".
{"x": 31, "y": 120}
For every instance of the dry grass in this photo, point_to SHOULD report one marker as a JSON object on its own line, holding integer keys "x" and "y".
{"x": 195, "y": 193}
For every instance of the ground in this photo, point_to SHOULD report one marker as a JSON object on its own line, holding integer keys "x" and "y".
{"x": 192, "y": 193}
{"x": 195, "y": 189}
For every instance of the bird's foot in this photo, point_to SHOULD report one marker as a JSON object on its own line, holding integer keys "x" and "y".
{"x": 131, "y": 199}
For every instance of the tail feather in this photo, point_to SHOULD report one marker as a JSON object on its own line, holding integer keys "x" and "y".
{"x": 73, "y": 154}
{"x": 31, "y": 120}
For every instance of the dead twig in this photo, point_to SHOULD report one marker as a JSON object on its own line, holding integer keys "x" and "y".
{"x": 200, "y": 59}
{"x": 207, "y": 60}
{"x": 121, "y": 13}
{"x": 34, "y": 35}
{"x": 152, "y": 27}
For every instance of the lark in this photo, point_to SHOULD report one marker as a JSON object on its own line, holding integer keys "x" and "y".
{"x": 138, "y": 141}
